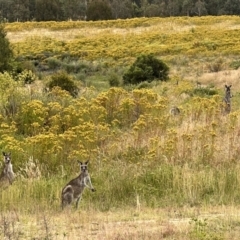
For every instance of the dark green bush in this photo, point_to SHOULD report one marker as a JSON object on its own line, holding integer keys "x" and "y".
{"x": 6, "y": 53}
{"x": 63, "y": 80}
{"x": 146, "y": 68}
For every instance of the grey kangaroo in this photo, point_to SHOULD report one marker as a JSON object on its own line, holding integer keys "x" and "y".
{"x": 227, "y": 99}
{"x": 7, "y": 174}
{"x": 174, "y": 111}
{"x": 74, "y": 189}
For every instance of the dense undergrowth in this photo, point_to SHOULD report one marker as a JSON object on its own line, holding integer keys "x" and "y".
{"x": 137, "y": 150}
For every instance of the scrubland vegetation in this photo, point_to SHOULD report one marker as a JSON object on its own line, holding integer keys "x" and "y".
{"x": 179, "y": 175}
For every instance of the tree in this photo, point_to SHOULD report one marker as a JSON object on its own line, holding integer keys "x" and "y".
{"x": 155, "y": 10}
{"x": 215, "y": 7}
{"x": 173, "y": 8}
{"x": 232, "y": 7}
{"x": 121, "y": 9}
{"x": 6, "y": 53}
{"x": 161, "y": 8}
{"x": 74, "y": 9}
{"x": 187, "y": 6}
{"x": 21, "y": 11}
{"x": 99, "y": 10}
{"x": 136, "y": 10}
{"x": 146, "y": 68}
{"x": 6, "y": 9}
{"x": 48, "y": 10}
{"x": 200, "y": 8}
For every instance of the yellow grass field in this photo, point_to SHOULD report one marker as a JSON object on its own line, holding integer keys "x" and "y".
{"x": 191, "y": 45}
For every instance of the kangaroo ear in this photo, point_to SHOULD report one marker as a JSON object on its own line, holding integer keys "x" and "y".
{"x": 86, "y": 162}
{"x": 79, "y": 162}
{"x": 4, "y": 154}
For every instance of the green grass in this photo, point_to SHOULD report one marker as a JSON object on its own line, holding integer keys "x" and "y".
{"x": 119, "y": 185}
{"x": 181, "y": 202}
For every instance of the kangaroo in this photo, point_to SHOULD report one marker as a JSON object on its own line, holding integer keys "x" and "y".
{"x": 174, "y": 111}
{"x": 7, "y": 174}
{"x": 74, "y": 189}
{"x": 227, "y": 99}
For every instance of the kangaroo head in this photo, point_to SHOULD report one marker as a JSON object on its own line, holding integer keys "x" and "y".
{"x": 83, "y": 166}
{"x": 228, "y": 88}
{"x": 7, "y": 158}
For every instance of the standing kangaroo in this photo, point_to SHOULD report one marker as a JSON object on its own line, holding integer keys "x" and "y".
{"x": 74, "y": 189}
{"x": 7, "y": 174}
{"x": 227, "y": 99}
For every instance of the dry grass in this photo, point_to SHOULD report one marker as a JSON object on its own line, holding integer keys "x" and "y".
{"x": 219, "y": 79}
{"x": 171, "y": 26}
{"x": 63, "y": 35}
{"x": 167, "y": 223}
{"x": 71, "y": 34}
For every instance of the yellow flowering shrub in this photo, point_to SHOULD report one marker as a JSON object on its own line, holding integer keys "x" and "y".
{"x": 110, "y": 40}
{"x": 7, "y": 87}
{"x": 32, "y": 117}
{"x": 110, "y": 100}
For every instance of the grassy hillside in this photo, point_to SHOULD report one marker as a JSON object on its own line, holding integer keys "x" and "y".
{"x": 199, "y": 49}
{"x": 141, "y": 157}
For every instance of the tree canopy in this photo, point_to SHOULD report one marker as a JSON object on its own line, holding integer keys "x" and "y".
{"x": 60, "y": 10}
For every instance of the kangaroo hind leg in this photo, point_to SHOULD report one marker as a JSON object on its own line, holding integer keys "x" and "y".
{"x": 67, "y": 196}
{"x": 77, "y": 202}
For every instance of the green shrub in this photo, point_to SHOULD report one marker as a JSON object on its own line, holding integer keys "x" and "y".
{"x": 235, "y": 64}
{"x": 54, "y": 63}
{"x": 146, "y": 68}
{"x": 63, "y": 80}
{"x": 72, "y": 67}
{"x": 5, "y": 50}
{"x": 114, "y": 80}
{"x": 26, "y": 76}
{"x": 201, "y": 92}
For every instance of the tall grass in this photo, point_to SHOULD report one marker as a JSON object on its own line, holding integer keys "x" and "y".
{"x": 121, "y": 186}
{"x": 139, "y": 154}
